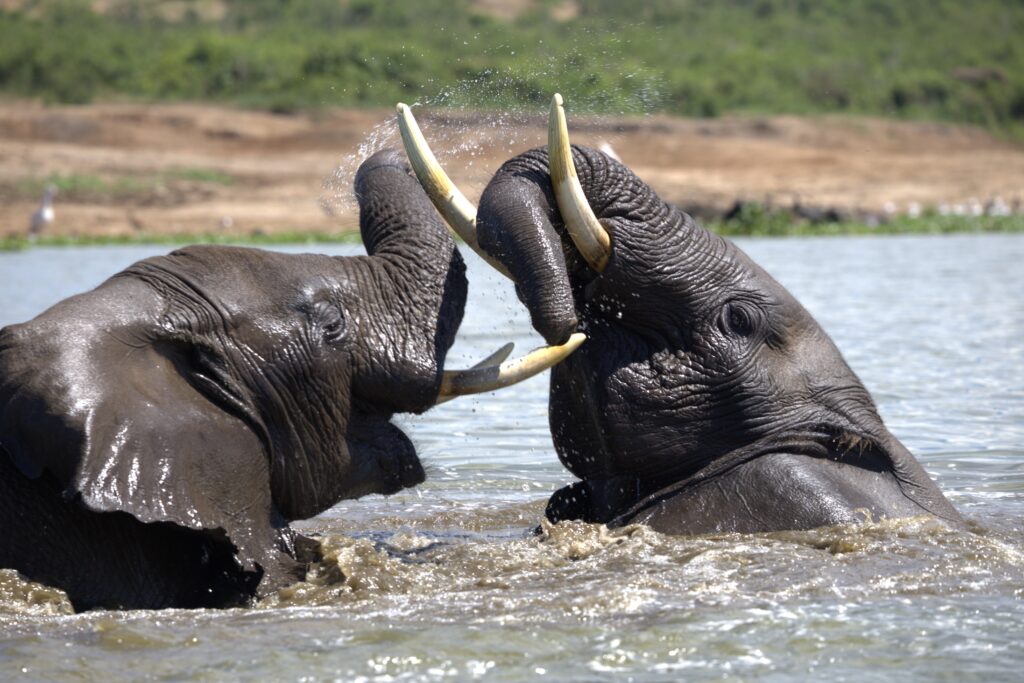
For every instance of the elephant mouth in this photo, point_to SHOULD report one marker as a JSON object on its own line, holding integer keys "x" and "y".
{"x": 405, "y": 471}
{"x": 381, "y": 457}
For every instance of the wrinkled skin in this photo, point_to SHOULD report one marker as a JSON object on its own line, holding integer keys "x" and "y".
{"x": 706, "y": 399}
{"x": 158, "y": 433}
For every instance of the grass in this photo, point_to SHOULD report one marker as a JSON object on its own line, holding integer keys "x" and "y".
{"x": 914, "y": 59}
{"x": 17, "y": 243}
{"x": 898, "y": 225}
{"x": 773, "y": 227}
{"x": 81, "y": 186}
{"x": 209, "y": 176}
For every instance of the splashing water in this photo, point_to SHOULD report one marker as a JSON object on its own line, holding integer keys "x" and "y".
{"x": 471, "y": 136}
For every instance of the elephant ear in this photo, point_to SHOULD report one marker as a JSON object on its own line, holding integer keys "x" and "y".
{"x": 92, "y": 394}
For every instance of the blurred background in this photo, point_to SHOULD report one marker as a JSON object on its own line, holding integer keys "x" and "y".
{"x": 228, "y": 119}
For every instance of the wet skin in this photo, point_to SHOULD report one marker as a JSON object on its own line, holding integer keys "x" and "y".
{"x": 158, "y": 433}
{"x": 706, "y": 398}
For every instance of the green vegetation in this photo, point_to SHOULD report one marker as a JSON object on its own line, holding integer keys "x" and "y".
{"x": 768, "y": 225}
{"x": 209, "y": 176}
{"x": 18, "y": 242}
{"x": 91, "y": 187}
{"x": 77, "y": 185}
{"x": 943, "y": 59}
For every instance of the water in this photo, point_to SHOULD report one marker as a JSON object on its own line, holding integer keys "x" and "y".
{"x": 447, "y": 582}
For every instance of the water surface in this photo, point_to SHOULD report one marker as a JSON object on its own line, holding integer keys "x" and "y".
{"x": 448, "y": 582}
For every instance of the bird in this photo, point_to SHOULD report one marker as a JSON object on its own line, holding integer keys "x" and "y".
{"x": 44, "y": 215}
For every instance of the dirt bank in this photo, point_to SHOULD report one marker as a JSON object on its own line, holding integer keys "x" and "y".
{"x": 190, "y": 169}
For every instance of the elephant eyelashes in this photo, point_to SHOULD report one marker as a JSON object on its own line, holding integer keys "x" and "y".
{"x": 739, "y": 319}
{"x": 334, "y": 331}
{"x": 330, "y": 321}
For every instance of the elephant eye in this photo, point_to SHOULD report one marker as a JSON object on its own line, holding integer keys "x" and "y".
{"x": 330, "y": 321}
{"x": 739, "y": 319}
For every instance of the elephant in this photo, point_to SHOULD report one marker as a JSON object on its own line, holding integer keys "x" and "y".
{"x": 159, "y": 433}
{"x": 706, "y": 398}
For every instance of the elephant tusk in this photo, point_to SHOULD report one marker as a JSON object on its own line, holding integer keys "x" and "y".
{"x": 489, "y": 376}
{"x": 496, "y": 358}
{"x": 591, "y": 239}
{"x": 457, "y": 211}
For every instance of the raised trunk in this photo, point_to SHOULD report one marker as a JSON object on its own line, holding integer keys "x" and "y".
{"x": 418, "y": 285}
{"x": 519, "y": 223}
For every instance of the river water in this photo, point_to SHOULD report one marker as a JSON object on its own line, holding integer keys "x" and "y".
{"x": 448, "y": 582}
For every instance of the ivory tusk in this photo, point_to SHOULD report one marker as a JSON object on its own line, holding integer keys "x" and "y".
{"x": 496, "y": 358}
{"x": 591, "y": 239}
{"x": 491, "y": 376}
{"x": 457, "y": 211}
{"x": 492, "y": 361}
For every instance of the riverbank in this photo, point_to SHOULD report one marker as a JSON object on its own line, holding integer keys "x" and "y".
{"x": 929, "y": 225}
{"x": 186, "y": 172}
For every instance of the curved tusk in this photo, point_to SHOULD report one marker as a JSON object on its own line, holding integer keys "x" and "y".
{"x": 496, "y": 358}
{"x": 492, "y": 361}
{"x": 490, "y": 377}
{"x": 457, "y": 211}
{"x": 591, "y": 239}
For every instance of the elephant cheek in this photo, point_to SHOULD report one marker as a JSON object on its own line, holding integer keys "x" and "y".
{"x": 382, "y": 457}
{"x": 308, "y": 421}
{"x": 611, "y": 417}
{"x": 374, "y": 456}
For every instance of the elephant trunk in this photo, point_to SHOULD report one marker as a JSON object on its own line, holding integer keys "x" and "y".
{"x": 419, "y": 282}
{"x": 397, "y": 222}
{"x": 516, "y": 223}
{"x": 519, "y": 223}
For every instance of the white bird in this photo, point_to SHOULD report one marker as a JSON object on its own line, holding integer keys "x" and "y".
{"x": 44, "y": 215}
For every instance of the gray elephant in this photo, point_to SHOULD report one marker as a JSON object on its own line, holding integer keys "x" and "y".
{"x": 158, "y": 433}
{"x": 706, "y": 398}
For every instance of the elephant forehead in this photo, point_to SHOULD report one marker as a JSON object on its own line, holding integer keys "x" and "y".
{"x": 246, "y": 271}
{"x": 674, "y": 301}
{"x": 233, "y": 284}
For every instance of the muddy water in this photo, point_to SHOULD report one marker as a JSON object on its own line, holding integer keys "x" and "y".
{"x": 448, "y": 581}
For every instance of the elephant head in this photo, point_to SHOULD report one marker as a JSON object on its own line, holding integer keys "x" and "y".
{"x": 706, "y": 398}
{"x": 226, "y": 391}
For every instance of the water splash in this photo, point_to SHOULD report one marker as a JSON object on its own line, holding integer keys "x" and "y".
{"x": 20, "y": 597}
{"x": 588, "y": 572}
{"x": 475, "y": 123}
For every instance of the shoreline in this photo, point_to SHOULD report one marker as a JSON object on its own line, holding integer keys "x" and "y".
{"x": 929, "y": 225}
{"x": 128, "y": 173}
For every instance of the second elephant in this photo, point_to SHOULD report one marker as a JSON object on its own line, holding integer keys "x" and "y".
{"x": 158, "y": 433}
{"x": 706, "y": 399}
